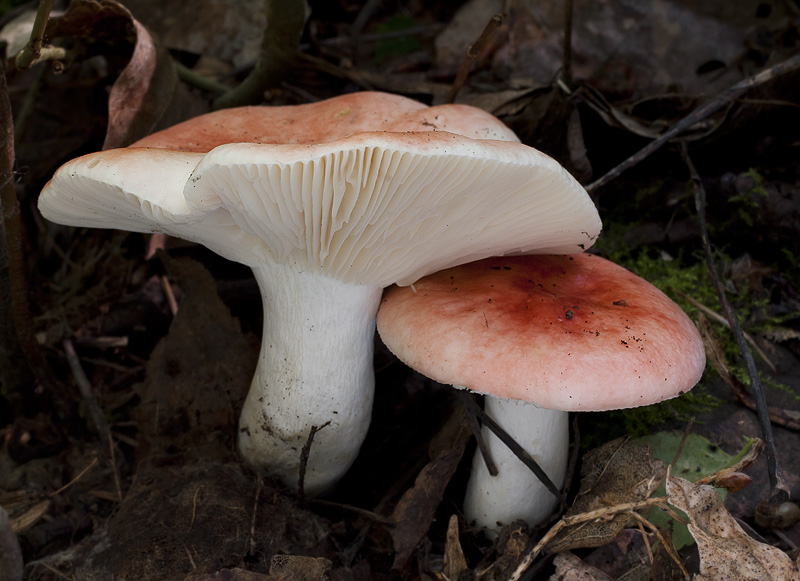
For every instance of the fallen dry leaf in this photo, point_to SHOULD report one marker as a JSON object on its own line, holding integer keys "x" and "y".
{"x": 571, "y": 568}
{"x": 616, "y": 473}
{"x": 298, "y": 568}
{"x": 726, "y": 551}
{"x": 454, "y": 560}
{"x": 142, "y": 93}
{"x": 416, "y": 509}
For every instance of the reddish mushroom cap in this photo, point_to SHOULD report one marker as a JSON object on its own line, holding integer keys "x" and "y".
{"x": 574, "y": 333}
{"x": 325, "y": 121}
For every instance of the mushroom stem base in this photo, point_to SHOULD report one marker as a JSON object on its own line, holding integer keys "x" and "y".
{"x": 314, "y": 376}
{"x": 516, "y": 493}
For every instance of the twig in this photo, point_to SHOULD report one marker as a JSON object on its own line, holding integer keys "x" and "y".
{"x": 32, "y": 53}
{"x": 285, "y": 22}
{"x": 685, "y": 436}
{"x": 727, "y": 96}
{"x": 512, "y": 444}
{"x": 304, "y": 458}
{"x": 12, "y": 240}
{"x": 74, "y": 480}
{"x": 722, "y": 320}
{"x": 95, "y": 411}
{"x": 170, "y": 296}
{"x": 388, "y": 522}
{"x": 253, "y": 518}
{"x": 779, "y": 490}
{"x": 112, "y": 454}
{"x": 473, "y": 52}
{"x": 476, "y": 430}
{"x": 202, "y": 82}
{"x": 582, "y": 518}
{"x": 667, "y": 546}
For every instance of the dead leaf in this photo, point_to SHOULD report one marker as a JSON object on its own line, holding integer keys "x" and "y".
{"x": 501, "y": 560}
{"x": 571, "y": 568}
{"x": 298, "y": 568}
{"x": 618, "y": 472}
{"x": 142, "y": 93}
{"x": 200, "y": 371}
{"x": 24, "y": 509}
{"x": 414, "y": 512}
{"x": 146, "y": 86}
{"x": 726, "y": 551}
{"x": 454, "y": 561}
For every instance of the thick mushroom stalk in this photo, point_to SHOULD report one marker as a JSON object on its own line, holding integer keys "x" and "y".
{"x": 568, "y": 333}
{"x": 515, "y": 493}
{"x": 314, "y": 374}
{"x": 329, "y": 203}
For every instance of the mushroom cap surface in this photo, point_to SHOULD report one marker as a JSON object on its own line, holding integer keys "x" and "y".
{"x": 573, "y": 333}
{"x": 325, "y": 121}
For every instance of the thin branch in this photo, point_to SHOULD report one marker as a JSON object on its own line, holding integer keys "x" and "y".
{"x": 301, "y": 493}
{"x": 32, "y": 53}
{"x": 583, "y": 517}
{"x": 779, "y": 490}
{"x": 285, "y": 22}
{"x": 11, "y": 231}
{"x": 472, "y": 419}
{"x": 723, "y": 321}
{"x": 473, "y": 52}
{"x": 85, "y": 387}
{"x": 512, "y": 444}
{"x": 726, "y": 97}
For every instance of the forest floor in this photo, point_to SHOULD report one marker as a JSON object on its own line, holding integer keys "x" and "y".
{"x": 167, "y": 341}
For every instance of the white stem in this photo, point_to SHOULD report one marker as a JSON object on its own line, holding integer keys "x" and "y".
{"x": 314, "y": 372}
{"x": 516, "y": 493}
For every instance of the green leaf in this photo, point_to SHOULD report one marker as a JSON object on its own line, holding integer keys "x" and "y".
{"x": 699, "y": 457}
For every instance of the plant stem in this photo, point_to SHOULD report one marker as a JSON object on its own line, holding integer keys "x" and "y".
{"x": 32, "y": 52}
{"x": 285, "y": 22}
{"x": 21, "y": 336}
{"x": 779, "y": 489}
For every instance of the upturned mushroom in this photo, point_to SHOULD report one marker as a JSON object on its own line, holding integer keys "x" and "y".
{"x": 329, "y": 203}
{"x": 540, "y": 336}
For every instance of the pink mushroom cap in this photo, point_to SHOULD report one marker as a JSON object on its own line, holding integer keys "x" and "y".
{"x": 325, "y": 121}
{"x": 572, "y": 333}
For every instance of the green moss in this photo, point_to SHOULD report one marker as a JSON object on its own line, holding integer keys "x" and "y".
{"x": 638, "y": 422}
{"x": 679, "y": 277}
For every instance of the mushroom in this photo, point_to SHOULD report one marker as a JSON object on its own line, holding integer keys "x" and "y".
{"x": 540, "y": 336}
{"x": 328, "y": 203}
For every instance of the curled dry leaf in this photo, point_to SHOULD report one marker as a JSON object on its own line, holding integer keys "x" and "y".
{"x": 415, "y": 511}
{"x": 146, "y": 86}
{"x": 141, "y": 94}
{"x": 726, "y": 551}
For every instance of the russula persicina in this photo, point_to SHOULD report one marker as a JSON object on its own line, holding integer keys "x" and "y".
{"x": 329, "y": 203}
{"x": 540, "y": 336}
